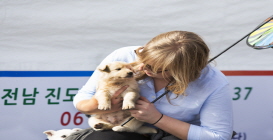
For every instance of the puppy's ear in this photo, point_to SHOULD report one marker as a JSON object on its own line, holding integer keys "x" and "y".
{"x": 104, "y": 68}
{"x": 49, "y": 132}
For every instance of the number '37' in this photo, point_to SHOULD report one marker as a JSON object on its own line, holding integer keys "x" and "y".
{"x": 239, "y": 91}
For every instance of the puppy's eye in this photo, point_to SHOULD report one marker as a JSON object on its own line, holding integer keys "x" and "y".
{"x": 118, "y": 69}
{"x": 63, "y": 136}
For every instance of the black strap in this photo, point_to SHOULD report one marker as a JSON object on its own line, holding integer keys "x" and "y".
{"x": 166, "y": 91}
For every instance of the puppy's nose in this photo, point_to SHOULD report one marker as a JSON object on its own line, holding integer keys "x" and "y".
{"x": 130, "y": 73}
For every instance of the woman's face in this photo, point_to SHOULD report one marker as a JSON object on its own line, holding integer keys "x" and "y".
{"x": 147, "y": 68}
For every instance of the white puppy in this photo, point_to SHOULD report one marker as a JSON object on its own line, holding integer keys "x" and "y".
{"x": 60, "y": 134}
{"x": 114, "y": 76}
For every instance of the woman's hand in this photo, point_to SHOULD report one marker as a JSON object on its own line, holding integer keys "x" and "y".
{"x": 145, "y": 111}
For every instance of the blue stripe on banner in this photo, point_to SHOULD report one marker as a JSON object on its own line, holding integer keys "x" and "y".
{"x": 46, "y": 73}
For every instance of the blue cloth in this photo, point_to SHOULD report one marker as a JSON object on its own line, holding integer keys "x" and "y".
{"x": 207, "y": 105}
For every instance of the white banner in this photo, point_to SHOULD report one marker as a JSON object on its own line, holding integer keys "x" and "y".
{"x": 253, "y": 104}
{"x": 33, "y": 103}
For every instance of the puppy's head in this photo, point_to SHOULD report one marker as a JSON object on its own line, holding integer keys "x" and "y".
{"x": 117, "y": 71}
{"x": 60, "y": 134}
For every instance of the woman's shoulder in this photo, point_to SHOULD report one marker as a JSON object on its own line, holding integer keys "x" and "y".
{"x": 125, "y": 54}
{"x": 211, "y": 80}
{"x": 128, "y": 49}
{"x": 212, "y": 75}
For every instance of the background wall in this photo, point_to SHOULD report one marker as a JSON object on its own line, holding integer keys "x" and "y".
{"x": 77, "y": 35}
{"x": 67, "y": 35}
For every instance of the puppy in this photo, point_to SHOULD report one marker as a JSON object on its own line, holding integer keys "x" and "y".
{"x": 114, "y": 76}
{"x": 60, "y": 134}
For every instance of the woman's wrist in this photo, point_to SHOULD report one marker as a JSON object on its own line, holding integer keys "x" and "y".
{"x": 158, "y": 119}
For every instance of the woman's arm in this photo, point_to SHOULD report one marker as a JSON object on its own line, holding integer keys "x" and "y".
{"x": 215, "y": 117}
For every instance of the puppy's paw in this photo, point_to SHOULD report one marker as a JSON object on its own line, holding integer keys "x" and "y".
{"x": 102, "y": 126}
{"x": 98, "y": 126}
{"x": 104, "y": 106}
{"x": 120, "y": 129}
{"x": 128, "y": 105}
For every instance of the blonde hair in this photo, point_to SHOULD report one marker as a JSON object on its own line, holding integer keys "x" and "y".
{"x": 184, "y": 54}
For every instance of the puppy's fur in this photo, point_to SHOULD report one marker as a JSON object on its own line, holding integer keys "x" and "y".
{"x": 60, "y": 134}
{"x": 114, "y": 76}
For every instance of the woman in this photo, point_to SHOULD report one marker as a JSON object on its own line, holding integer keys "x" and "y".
{"x": 198, "y": 104}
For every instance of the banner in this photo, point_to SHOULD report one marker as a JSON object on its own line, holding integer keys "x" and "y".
{"x": 35, "y": 101}
{"x": 252, "y": 95}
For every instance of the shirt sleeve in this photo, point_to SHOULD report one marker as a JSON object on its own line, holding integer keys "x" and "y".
{"x": 89, "y": 89}
{"x": 216, "y": 117}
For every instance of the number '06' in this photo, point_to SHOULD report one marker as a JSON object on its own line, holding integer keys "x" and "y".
{"x": 77, "y": 118}
{"x": 239, "y": 91}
